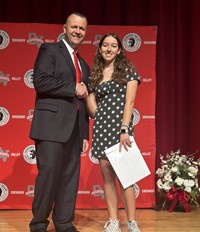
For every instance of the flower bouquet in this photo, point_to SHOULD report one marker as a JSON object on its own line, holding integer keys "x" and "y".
{"x": 178, "y": 181}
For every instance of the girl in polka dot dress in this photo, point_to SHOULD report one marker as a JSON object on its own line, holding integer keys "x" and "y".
{"x": 113, "y": 87}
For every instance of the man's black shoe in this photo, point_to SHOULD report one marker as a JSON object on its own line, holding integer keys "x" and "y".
{"x": 70, "y": 229}
{"x": 39, "y": 230}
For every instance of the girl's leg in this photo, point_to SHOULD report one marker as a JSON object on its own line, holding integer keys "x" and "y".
{"x": 129, "y": 201}
{"x": 110, "y": 189}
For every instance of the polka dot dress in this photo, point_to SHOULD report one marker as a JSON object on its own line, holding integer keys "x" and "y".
{"x": 110, "y": 96}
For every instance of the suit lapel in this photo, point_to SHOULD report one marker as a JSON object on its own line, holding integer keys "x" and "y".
{"x": 69, "y": 61}
{"x": 67, "y": 57}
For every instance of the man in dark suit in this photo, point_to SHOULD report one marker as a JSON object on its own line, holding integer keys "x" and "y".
{"x": 59, "y": 127}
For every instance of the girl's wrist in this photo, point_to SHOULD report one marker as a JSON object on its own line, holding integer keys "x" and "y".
{"x": 124, "y": 126}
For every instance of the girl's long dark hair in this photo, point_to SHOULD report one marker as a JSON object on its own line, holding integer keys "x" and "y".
{"x": 122, "y": 66}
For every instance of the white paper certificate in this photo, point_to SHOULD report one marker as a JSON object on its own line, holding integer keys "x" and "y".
{"x": 129, "y": 166}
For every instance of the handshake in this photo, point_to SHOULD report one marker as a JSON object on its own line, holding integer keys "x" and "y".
{"x": 81, "y": 90}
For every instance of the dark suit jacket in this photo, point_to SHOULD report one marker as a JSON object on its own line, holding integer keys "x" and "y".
{"x": 54, "y": 80}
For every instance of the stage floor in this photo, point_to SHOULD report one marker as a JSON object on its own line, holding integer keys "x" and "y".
{"x": 149, "y": 220}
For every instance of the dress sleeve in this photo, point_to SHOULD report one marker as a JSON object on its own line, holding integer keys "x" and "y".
{"x": 133, "y": 75}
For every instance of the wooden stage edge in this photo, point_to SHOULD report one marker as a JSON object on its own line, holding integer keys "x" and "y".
{"x": 91, "y": 220}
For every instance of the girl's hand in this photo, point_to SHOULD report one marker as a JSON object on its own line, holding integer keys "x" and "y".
{"x": 124, "y": 141}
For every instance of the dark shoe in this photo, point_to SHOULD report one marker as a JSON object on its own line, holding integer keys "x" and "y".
{"x": 70, "y": 229}
{"x": 39, "y": 230}
{"x": 73, "y": 229}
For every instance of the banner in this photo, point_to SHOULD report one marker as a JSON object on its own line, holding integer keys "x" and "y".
{"x": 19, "y": 44}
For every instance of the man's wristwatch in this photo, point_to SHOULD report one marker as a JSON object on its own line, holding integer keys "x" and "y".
{"x": 123, "y": 131}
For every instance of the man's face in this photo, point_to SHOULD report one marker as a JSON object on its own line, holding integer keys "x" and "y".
{"x": 75, "y": 30}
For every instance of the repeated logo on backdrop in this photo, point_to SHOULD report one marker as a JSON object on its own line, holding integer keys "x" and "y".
{"x": 131, "y": 42}
{"x": 3, "y": 192}
{"x": 28, "y": 78}
{"x": 17, "y": 98}
{"x": 4, "y": 39}
{"x": 29, "y": 154}
{"x": 4, "y": 116}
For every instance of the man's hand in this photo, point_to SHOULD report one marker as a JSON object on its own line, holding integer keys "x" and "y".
{"x": 85, "y": 146}
{"x": 81, "y": 90}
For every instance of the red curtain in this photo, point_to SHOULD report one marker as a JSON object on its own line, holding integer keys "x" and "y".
{"x": 177, "y": 71}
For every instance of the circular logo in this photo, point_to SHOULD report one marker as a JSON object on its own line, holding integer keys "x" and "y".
{"x": 60, "y": 37}
{"x": 137, "y": 190}
{"x": 28, "y": 78}
{"x": 4, "y": 39}
{"x": 3, "y": 192}
{"x": 131, "y": 42}
{"x": 92, "y": 158}
{"x": 4, "y": 116}
{"x": 29, "y": 154}
{"x": 136, "y": 117}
